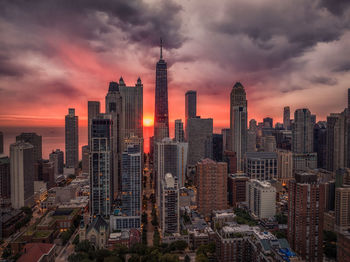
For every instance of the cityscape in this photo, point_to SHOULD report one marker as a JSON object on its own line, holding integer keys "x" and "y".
{"x": 171, "y": 167}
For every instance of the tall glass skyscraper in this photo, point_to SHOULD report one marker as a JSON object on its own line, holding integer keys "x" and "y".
{"x": 161, "y": 118}
{"x": 72, "y": 139}
{"x": 101, "y": 168}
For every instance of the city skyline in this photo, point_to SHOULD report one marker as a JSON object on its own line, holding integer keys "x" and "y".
{"x": 304, "y": 68}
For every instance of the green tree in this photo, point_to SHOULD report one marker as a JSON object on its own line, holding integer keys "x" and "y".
{"x": 169, "y": 258}
{"x": 187, "y": 258}
{"x": 201, "y": 258}
{"x": 84, "y": 246}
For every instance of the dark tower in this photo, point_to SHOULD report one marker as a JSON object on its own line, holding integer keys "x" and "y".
{"x": 161, "y": 120}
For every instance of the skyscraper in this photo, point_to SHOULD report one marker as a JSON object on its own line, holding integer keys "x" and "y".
{"x": 161, "y": 120}
{"x": 190, "y": 106}
{"x": 114, "y": 107}
{"x": 226, "y": 139}
{"x": 211, "y": 182}
{"x": 268, "y": 122}
{"x": 179, "y": 131}
{"x": 218, "y": 147}
{"x": 284, "y": 165}
{"x": 72, "y": 139}
{"x": 200, "y": 139}
{"x": 306, "y": 204}
{"x": 337, "y": 148}
{"x": 85, "y": 153}
{"x": 35, "y": 140}
{"x": 132, "y": 100}
{"x": 101, "y": 168}
{"x": 22, "y": 174}
{"x": 320, "y": 143}
{"x": 57, "y": 158}
{"x": 342, "y": 208}
{"x": 93, "y": 111}
{"x": 302, "y": 141}
{"x": 169, "y": 209}
{"x": 286, "y": 117}
{"x": 130, "y": 216}
{"x": 238, "y": 123}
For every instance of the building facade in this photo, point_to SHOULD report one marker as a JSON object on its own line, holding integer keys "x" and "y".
{"x": 190, "y": 106}
{"x": 261, "y": 165}
{"x": 72, "y": 139}
{"x": 286, "y": 117}
{"x": 284, "y": 165}
{"x": 302, "y": 132}
{"x": 179, "y": 131}
{"x": 57, "y": 158}
{"x": 35, "y": 140}
{"x": 94, "y": 109}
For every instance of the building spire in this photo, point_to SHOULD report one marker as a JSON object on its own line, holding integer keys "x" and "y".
{"x": 161, "y": 49}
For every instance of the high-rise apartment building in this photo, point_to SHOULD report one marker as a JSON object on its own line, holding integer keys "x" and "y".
{"x": 231, "y": 159}
{"x": 268, "y": 122}
{"x": 85, "y": 162}
{"x": 337, "y": 148}
{"x": 251, "y": 140}
{"x": 169, "y": 208}
{"x": 302, "y": 131}
{"x": 57, "y": 158}
{"x": 306, "y": 204}
{"x": 269, "y": 143}
{"x": 190, "y": 106}
{"x": 35, "y": 140}
{"x": 130, "y": 216}
{"x": 304, "y": 161}
{"x": 179, "y": 131}
{"x": 94, "y": 109}
{"x": 238, "y": 123}
{"x": 261, "y": 198}
{"x": 211, "y": 182}
{"x": 342, "y": 208}
{"x": 200, "y": 139}
{"x": 284, "y": 165}
{"x": 22, "y": 174}
{"x": 101, "y": 168}
{"x": 48, "y": 173}
{"x": 286, "y": 117}
{"x": 218, "y": 147}
{"x": 261, "y": 165}
{"x": 226, "y": 139}
{"x": 161, "y": 115}
{"x": 72, "y": 139}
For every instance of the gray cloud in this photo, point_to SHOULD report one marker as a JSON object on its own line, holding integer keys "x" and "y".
{"x": 324, "y": 80}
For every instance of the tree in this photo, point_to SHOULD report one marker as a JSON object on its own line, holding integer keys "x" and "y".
{"x": 169, "y": 258}
{"x": 187, "y": 258}
{"x": 7, "y": 253}
{"x": 102, "y": 254}
{"x": 84, "y": 246}
{"x": 201, "y": 258}
{"x": 156, "y": 238}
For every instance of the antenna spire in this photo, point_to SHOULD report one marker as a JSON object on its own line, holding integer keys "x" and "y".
{"x": 161, "y": 49}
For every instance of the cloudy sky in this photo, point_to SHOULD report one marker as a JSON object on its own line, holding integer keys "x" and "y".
{"x": 59, "y": 54}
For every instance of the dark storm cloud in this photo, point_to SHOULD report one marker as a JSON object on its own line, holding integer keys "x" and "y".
{"x": 9, "y": 68}
{"x": 336, "y": 6}
{"x": 90, "y": 19}
{"x": 324, "y": 80}
{"x": 61, "y": 88}
{"x": 278, "y": 30}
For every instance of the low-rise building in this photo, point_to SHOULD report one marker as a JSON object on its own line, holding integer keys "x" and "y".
{"x": 97, "y": 232}
{"x": 38, "y": 252}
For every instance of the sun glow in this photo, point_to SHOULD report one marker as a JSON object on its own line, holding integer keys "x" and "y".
{"x": 147, "y": 121}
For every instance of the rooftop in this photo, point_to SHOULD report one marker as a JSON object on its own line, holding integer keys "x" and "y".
{"x": 34, "y": 251}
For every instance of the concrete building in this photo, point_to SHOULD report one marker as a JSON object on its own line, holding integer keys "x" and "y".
{"x": 200, "y": 139}
{"x": 179, "y": 131}
{"x": 57, "y": 158}
{"x": 190, "y": 107}
{"x": 169, "y": 208}
{"x": 261, "y": 165}
{"x": 94, "y": 109}
{"x": 304, "y": 161}
{"x": 306, "y": 204}
{"x": 101, "y": 168}
{"x": 284, "y": 165}
{"x": 72, "y": 139}
{"x": 268, "y": 122}
{"x": 236, "y": 187}
{"x": 96, "y": 233}
{"x": 48, "y": 173}
{"x": 337, "y": 148}
{"x": 22, "y": 174}
{"x": 286, "y": 117}
{"x": 238, "y": 123}
{"x": 342, "y": 208}
{"x": 343, "y": 246}
{"x": 261, "y": 198}
{"x": 35, "y": 140}
{"x": 211, "y": 182}
{"x": 161, "y": 115}
{"x": 251, "y": 141}
{"x": 302, "y": 131}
